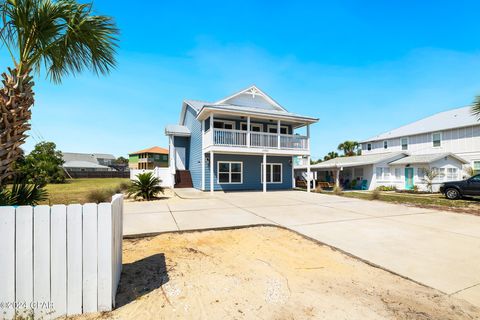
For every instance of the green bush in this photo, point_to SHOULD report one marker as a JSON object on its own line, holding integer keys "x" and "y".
{"x": 386, "y": 188}
{"x": 22, "y": 193}
{"x": 100, "y": 195}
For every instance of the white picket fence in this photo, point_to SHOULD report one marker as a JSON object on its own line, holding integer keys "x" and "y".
{"x": 60, "y": 260}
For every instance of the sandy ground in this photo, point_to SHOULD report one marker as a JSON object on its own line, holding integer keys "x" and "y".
{"x": 264, "y": 273}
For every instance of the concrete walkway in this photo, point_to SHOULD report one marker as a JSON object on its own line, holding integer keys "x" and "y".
{"x": 435, "y": 248}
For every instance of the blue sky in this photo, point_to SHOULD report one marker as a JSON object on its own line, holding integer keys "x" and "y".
{"x": 362, "y": 67}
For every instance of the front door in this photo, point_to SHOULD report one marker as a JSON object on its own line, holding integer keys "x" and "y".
{"x": 180, "y": 158}
{"x": 409, "y": 178}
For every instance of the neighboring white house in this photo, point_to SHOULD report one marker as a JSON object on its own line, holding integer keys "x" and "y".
{"x": 89, "y": 162}
{"x": 447, "y": 142}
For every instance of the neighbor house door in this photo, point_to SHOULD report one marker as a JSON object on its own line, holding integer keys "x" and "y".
{"x": 180, "y": 158}
{"x": 408, "y": 178}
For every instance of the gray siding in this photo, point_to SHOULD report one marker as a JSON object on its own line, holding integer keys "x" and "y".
{"x": 195, "y": 150}
{"x": 251, "y": 172}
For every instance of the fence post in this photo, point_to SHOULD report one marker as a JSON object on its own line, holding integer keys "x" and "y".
{"x": 105, "y": 247}
{"x": 7, "y": 258}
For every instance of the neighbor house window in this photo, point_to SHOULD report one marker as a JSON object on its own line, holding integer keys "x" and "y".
{"x": 437, "y": 139}
{"x": 452, "y": 174}
{"x": 404, "y": 142}
{"x": 476, "y": 167}
{"x": 369, "y": 146}
{"x": 274, "y": 173}
{"x": 385, "y": 144}
{"x": 383, "y": 173}
{"x": 398, "y": 173}
{"x": 421, "y": 173}
{"x": 230, "y": 172}
{"x": 440, "y": 173}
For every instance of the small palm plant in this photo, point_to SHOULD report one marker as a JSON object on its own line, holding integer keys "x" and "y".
{"x": 147, "y": 186}
{"x": 22, "y": 193}
{"x": 429, "y": 177}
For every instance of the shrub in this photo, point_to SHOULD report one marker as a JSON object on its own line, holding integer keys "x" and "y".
{"x": 124, "y": 186}
{"x": 100, "y": 195}
{"x": 22, "y": 194}
{"x": 375, "y": 195}
{"x": 386, "y": 188}
{"x": 147, "y": 186}
{"x": 338, "y": 190}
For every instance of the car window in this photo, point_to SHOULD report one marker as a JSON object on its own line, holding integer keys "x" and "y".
{"x": 475, "y": 178}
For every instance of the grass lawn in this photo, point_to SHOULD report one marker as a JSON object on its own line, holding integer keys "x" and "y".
{"x": 437, "y": 201}
{"x": 76, "y": 190}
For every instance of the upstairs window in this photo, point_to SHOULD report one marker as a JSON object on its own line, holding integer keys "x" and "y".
{"x": 437, "y": 139}
{"x": 404, "y": 142}
{"x": 385, "y": 144}
{"x": 218, "y": 124}
{"x": 369, "y": 146}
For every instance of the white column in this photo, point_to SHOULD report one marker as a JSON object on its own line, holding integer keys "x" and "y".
{"x": 248, "y": 131}
{"x": 337, "y": 177}
{"x": 172, "y": 155}
{"x": 293, "y": 172}
{"x": 278, "y": 134}
{"x": 308, "y": 137}
{"x": 264, "y": 172}
{"x": 308, "y": 174}
{"x": 203, "y": 171}
{"x": 211, "y": 171}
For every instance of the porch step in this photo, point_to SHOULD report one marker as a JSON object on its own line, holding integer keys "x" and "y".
{"x": 183, "y": 179}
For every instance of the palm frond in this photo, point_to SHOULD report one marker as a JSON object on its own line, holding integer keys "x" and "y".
{"x": 476, "y": 107}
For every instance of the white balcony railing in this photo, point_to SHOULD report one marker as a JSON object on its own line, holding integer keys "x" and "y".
{"x": 239, "y": 138}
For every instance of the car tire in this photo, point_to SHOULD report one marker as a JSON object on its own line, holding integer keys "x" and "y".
{"x": 452, "y": 194}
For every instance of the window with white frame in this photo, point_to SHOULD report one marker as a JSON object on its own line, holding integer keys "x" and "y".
{"x": 476, "y": 167}
{"x": 273, "y": 129}
{"x": 404, "y": 142}
{"x": 452, "y": 174}
{"x": 369, "y": 146}
{"x": 230, "y": 172}
{"x": 383, "y": 173}
{"x": 398, "y": 173}
{"x": 421, "y": 173}
{"x": 224, "y": 124}
{"x": 274, "y": 173}
{"x": 255, "y": 127}
{"x": 385, "y": 144}
{"x": 440, "y": 173}
{"x": 437, "y": 139}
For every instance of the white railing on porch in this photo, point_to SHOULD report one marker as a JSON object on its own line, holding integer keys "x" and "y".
{"x": 239, "y": 138}
{"x": 60, "y": 260}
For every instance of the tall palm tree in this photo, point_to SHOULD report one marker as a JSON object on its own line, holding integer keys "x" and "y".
{"x": 476, "y": 107}
{"x": 61, "y": 37}
{"x": 349, "y": 148}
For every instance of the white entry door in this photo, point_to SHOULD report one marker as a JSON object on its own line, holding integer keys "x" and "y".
{"x": 180, "y": 158}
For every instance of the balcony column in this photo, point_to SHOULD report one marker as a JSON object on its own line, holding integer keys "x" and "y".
{"x": 211, "y": 171}
{"x": 308, "y": 137}
{"x": 264, "y": 164}
{"x": 278, "y": 134}
{"x": 248, "y": 132}
{"x": 203, "y": 171}
{"x": 308, "y": 174}
{"x": 293, "y": 172}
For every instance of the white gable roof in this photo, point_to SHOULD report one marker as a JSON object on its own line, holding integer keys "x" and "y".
{"x": 251, "y": 97}
{"x": 456, "y": 118}
{"x": 426, "y": 158}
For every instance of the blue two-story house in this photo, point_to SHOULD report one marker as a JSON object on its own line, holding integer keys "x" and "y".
{"x": 246, "y": 141}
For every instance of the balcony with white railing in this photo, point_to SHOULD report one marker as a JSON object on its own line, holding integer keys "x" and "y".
{"x": 250, "y": 139}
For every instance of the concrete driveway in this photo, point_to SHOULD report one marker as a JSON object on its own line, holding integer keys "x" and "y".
{"x": 435, "y": 248}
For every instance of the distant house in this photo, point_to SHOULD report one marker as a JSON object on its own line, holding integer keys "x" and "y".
{"x": 447, "y": 143}
{"x": 87, "y": 162}
{"x": 148, "y": 159}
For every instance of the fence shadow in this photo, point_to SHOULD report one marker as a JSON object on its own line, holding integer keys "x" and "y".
{"x": 140, "y": 278}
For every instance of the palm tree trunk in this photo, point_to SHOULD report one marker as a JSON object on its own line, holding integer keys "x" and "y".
{"x": 16, "y": 100}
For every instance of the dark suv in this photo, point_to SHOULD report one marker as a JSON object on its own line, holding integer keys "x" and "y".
{"x": 457, "y": 189}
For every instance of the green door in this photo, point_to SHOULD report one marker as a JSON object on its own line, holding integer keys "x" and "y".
{"x": 409, "y": 178}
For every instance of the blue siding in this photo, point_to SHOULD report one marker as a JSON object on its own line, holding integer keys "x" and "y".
{"x": 185, "y": 143}
{"x": 251, "y": 172}
{"x": 195, "y": 150}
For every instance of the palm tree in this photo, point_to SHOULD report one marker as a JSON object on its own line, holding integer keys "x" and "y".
{"x": 330, "y": 155}
{"x": 349, "y": 148}
{"x": 476, "y": 107}
{"x": 62, "y": 37}
{"x": 147, "y": 186}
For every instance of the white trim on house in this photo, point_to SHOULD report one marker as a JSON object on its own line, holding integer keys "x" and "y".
{"x": 271, "y": 173}
{"x": 229, "y": 172}
{"x": 232, "y": 123}
{"x": 253, "y": 90}
{"x": 441, "y": 139}
{"x": 385, "y": 144}
{"x": 407, "y": 144}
